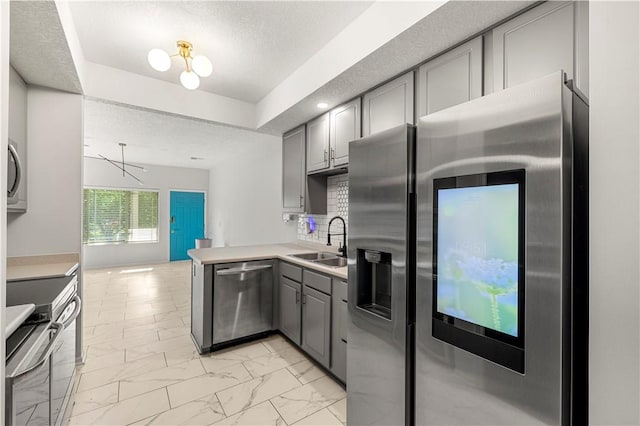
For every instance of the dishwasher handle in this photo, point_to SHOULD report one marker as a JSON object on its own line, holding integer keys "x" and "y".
{"x": 242, "y": 270}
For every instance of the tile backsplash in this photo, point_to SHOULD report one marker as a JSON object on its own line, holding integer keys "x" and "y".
{"x": 337, "y": 205}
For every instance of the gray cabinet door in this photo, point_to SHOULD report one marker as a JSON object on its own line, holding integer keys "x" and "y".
{"x": 318, "y": 144}
{"x": 339, "y": 324}
{"x": 316, "y": 325}
{"x": 290, "y": 299}
{"x": 345, "y": 127}
{"x": 540, "y": 42}
{"x": 450, "y": 79}
{"x": 293, "y": 171}
{"x": 202, "y": 305}
{"x": 388, "y": 106}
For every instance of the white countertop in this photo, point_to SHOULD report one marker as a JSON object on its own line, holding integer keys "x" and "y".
{"x": 15, "y": 316}
{"x": 269, "y": 251}
{"x": 45, "y": 266}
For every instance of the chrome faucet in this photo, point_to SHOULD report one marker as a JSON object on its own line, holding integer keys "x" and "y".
{"x": 342, "y": 249}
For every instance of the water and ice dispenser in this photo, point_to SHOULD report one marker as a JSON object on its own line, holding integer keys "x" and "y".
{"x": 374, "y": 282}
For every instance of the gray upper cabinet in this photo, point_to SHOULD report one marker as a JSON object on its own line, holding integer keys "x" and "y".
{"x": 293, "y": 172}
{"x": 290, "y": 299}
{"x": 450, "y": 79}
{"x": 545, "y": 39}
{"x": 388, "y": 106}
{"x": 318, "y": 144}
{"x": 345, "y": 127}
{"x": 316, "y": 325}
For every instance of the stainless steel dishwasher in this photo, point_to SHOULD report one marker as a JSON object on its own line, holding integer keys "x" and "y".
{"x": 242, "y": 301}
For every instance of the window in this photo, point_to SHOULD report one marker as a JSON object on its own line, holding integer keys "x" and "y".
{"x": 119, "y": 216}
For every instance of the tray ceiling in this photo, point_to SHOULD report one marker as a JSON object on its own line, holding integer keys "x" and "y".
{"x": 253, "y": 45}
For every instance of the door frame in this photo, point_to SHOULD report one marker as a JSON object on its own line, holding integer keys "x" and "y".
{"x": 168, "y": 206}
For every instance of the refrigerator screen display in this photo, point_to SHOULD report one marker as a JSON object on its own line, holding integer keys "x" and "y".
{"x": 478, "y": 255}
{"x": 478, "y": 280}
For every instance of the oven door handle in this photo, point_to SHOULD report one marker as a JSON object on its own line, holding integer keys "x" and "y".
{"x": 76, "y": 311}
{"x": 47, "y": 352}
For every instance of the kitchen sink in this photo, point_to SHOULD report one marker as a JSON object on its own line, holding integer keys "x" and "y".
{"x": 315, "y": 256}
{"x": 335, "y": 262}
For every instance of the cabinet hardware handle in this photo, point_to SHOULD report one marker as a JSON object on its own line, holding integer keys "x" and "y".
{"x": 297, "y": 297}
{"x": 304, "y": 299}
{"x": 333, "y": 154}
{"x": 301, "y": 201}
{"x": 325, "y": 155}
{"x": 344, "y": 340}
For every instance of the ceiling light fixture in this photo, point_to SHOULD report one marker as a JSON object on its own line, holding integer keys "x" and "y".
{"x": 120, "y": 164}
{"x": 199, "y": 66}
{"x": 323, "y": 105}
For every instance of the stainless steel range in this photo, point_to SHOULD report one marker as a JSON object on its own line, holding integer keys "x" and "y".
{"x": 40, "y": 356}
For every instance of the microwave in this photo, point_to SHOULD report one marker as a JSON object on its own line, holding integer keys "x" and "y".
{"x": 16, "y": 179}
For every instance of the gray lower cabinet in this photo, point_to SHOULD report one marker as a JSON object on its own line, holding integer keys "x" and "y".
{"x": 339, "y": 326}
{"x": 388, "y": 106}
{"x": 450, "y": 79}
{"x": 313, "y": 311}
{"x": 545, "y": 39}
{"x": 202, "y": 305}
{"x": 293, "y": 170}
{"x": 290, "y": 304}
{"x": 316, "y": 325}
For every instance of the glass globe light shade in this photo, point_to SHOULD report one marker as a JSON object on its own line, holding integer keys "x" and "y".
{"x": 189, "y": 80}
{"x": 159, "y": 59}
{"x": 202, "y": 66}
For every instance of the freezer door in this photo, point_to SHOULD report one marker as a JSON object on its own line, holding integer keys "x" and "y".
{"x": 528, "y": 128}
{"x": 379, "y": 177}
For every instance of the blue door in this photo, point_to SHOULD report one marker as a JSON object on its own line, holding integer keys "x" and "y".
{"x": 186, "y": 222}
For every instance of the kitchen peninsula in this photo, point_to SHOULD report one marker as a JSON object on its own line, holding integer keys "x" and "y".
{"x": 241, "y": 293}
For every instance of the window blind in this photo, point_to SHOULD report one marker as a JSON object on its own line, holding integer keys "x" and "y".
{"x": 119, "y": 216}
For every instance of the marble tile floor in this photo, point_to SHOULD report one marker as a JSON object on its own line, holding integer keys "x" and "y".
{"x": 142, "y": 367}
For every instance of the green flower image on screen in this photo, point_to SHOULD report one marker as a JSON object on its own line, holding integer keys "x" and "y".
{"x": 477, "y": 255}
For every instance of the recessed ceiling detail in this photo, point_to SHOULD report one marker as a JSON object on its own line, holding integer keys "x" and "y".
{"x": 39, "y": 51}
{"x": 163, "y": 139}
{"x": 255, "y": 45}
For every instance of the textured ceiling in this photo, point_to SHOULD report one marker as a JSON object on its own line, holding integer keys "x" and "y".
{"x": 39, "y": 50}
{"x": 159, "y": 138}
{"x": 253, "y": 45}
{"x": 41, "y": 55}
{"x": 449, "y": 25}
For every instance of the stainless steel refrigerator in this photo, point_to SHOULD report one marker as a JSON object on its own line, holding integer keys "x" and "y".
{"x": 380, "y": 251}
{"x": 492, "y": 329}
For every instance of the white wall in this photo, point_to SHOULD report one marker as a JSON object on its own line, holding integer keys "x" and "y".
{"x": 614, "y": 347}
{"x": 52, "y": 223}
{"x": 4, "y": 134}
{"x": 99, "y": 173}
{"x": 245, "y": 203}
